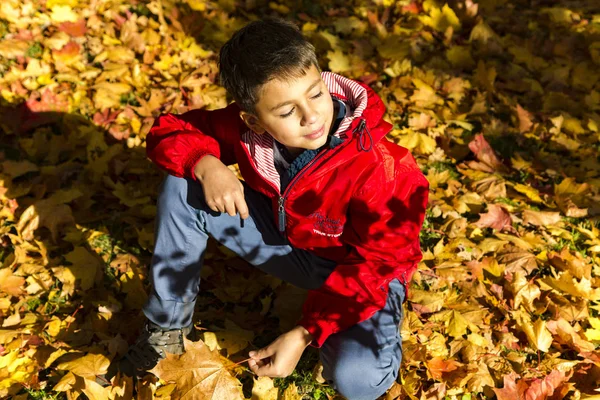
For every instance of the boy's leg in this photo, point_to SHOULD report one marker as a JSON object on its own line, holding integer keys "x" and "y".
{"x": 363, "y": 361}
{"x": 184, "y": 223}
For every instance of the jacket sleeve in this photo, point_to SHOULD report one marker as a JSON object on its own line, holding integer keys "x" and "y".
{"x": 177, "y": 142}
{"x": 385, "y": 219}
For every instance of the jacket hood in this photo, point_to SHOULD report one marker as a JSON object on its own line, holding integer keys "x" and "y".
{"x": 366, "y": 110}
{"x": 364, "y": 103}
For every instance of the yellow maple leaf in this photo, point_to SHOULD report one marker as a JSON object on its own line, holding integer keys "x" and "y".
{"x": 532, "y": 193}
{"x": 87, "y": 366}
{"x": 441, "y": 19}
{"x": 233, "y": 339}
{"x": 291, "y": 393}
{"x": 425, "y": 96}
{"x": 199, "y": 373}
{"x": 457, "y": 325}
{"x": 460, "y": 57}
{"x": 482, "y": 32}
{"x": 538, "y": 334}
{"x": 485, "y": 76}
{"x": 15, "y": 370}
{"x": 338, "y": 61}
{"x": 418, "y": 142}
{"x": 84, "y": 266}
{"x": 15, "y": 169}
{"x": 264, "y": 389}
{"x": 63, "y": 13}
{"x": 11, "y": 284}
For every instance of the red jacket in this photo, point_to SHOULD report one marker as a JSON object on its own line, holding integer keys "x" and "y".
{"x": 360, "y": 204}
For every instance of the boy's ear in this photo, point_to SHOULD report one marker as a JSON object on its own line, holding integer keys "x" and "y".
{"x": 252, "y": 122}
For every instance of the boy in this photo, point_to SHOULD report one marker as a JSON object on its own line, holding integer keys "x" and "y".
{"x": 327, "y": 204}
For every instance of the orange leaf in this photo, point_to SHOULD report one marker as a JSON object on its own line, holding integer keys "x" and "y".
{"x": 497, "y": 217}
{"x": 524, "y": 119}
{"x": 11, "y": 284}
{"x": 437, "y": 366}
{"x": 511, "y": 390}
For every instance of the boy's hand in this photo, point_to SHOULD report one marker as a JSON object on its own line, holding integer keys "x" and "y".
{"x": 279, "y": 359}
{"x": 223, "y": 191}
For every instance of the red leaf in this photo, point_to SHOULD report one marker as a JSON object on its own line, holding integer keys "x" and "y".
{"x": 413, "y": 8}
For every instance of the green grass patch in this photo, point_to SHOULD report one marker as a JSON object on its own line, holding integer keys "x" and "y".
{"x": 35, "y": 50}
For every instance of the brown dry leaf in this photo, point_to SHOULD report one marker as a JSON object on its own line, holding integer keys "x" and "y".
{"x": 574, "y": 263}
{"x": 516, "y": 258}
{"x": 525, "y": 292}
{"x": 485, "y": 154}
{"x": 199, "y": 373}
{"x": 525, "y": 123}
{"x": 512, "y": 390}
{"x": 497, "y": 218}
{"x": 569, "y": 336}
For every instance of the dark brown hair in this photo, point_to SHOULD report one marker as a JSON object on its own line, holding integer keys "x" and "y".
{"x": 259, "y": 52}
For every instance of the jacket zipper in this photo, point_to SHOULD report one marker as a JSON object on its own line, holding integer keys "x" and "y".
{"x": 282, "y": 198}
{"x": 281, "y": 203}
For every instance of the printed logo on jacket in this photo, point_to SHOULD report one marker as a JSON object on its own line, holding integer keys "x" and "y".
{"x": 326, "y": 226}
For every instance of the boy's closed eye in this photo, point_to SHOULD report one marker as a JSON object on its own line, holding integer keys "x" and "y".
{"x": 293, "y": 108}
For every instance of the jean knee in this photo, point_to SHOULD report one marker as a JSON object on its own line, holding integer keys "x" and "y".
{"x": 174, "y": 187}
{"x": 355, "y": 382}
{"x": 182, "y": 191}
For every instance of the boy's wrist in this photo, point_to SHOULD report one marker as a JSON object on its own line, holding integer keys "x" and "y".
{"x": 203, "y": 165}
{"x": 304, "y": 334}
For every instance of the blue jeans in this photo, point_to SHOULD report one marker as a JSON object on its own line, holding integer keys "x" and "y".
{"x": 371, "y": 350}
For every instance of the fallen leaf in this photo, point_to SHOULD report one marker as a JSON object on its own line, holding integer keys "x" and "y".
{"x": 199, "y": 374}
{"x": 87, "y": 366}
{"x": 497, "y": 218}
{"x": 541, "y": 218}
{"x": 264, "y": 389}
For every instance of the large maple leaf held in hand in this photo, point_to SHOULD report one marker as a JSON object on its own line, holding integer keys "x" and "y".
{"x": 199, "y": 373}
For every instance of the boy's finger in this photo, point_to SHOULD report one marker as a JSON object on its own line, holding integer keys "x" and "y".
{"x": 242, "y": 208}
{"x": 230, "y": 208}
{"x": 262, "y": 353}
{"x": 252, "y": 365}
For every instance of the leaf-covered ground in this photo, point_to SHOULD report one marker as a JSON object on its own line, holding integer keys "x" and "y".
{"x": 499, "y": 101}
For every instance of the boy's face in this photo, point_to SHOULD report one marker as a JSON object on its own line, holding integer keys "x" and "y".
{"x": 298, "y": 113}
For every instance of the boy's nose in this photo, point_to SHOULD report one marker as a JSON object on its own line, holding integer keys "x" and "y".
{"x": 310, "y": 117}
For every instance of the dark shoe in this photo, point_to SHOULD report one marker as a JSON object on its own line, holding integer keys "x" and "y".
{"x": 151, "y": 347}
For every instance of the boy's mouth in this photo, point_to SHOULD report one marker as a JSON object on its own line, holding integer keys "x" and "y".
{"x": 316, "y": 134}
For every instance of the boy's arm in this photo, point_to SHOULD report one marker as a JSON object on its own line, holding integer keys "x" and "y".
{"x": 177, "y": 142}
{"x": 385, "y": 219}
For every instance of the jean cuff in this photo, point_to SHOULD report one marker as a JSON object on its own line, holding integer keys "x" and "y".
{"x": 168, "y": 314}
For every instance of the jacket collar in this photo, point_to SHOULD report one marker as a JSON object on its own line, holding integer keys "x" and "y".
{"x": 364, "y": 104}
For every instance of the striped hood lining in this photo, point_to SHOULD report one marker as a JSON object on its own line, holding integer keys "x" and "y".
{"x": 260, "y": 147}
